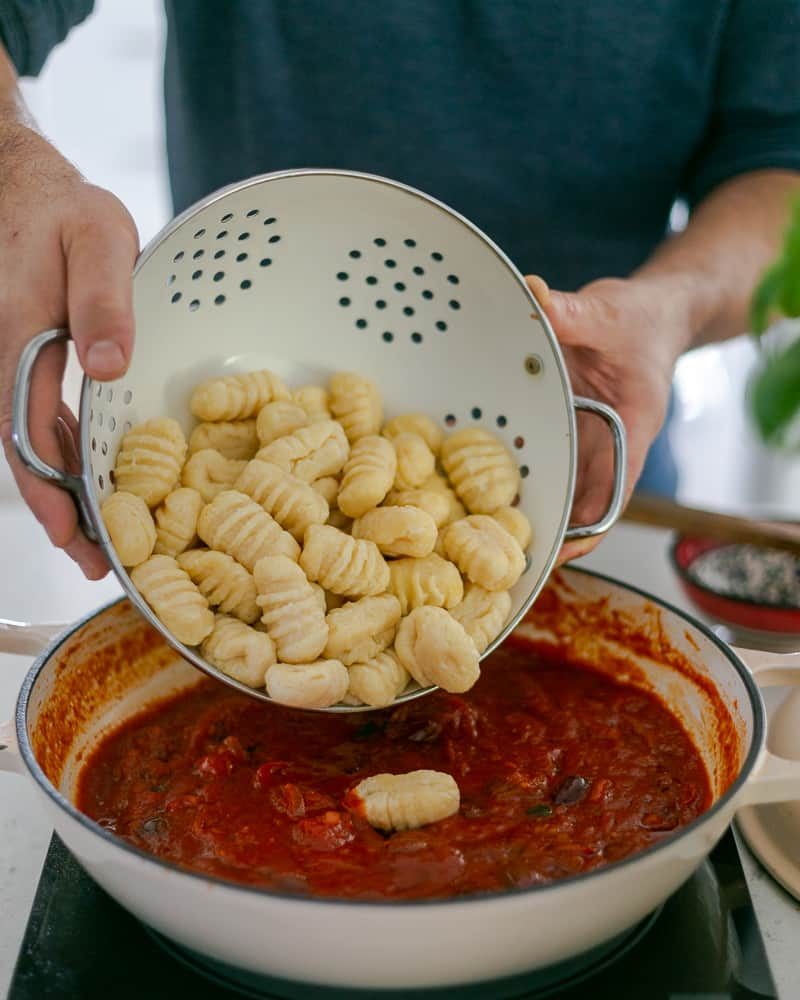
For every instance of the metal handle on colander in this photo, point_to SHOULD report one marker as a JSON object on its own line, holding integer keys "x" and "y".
{"x": 617, "y": 428}
{"x": 21, "y": 437}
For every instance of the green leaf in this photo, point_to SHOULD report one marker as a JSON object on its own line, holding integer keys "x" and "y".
{"x": 540, "y": 810}
{"x": 765, "y": 298}
{"x": 775, "y": 392}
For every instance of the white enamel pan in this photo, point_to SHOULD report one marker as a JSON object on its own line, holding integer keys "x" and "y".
{"x": 112, "y": 664}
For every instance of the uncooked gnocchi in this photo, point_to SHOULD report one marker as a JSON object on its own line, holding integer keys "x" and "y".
{"x": 356, "y": 403}
{"x": 130, "y": 527}
{"x": 435, "y": 649}
{"x": 210, "y": 473}
{"x": 516, "y": 524}
{"x": 149, "y": 460}
{"x": 290, "y": 501}
{"x": 398, "y": 531}
{"x": 415, "y": 423}
{"x": 415, "y": 461}
{"x": 235, "y": 397}
{"x": 235, "y": 524}
{"x": 431, "y": 580}
{"x": 174, "y": 598}
{"x": 433, "y": 502}
{"x": 176, "y": 521}
{"x": 379, "y": 680}
{"x": 348, "y": 566}
{"x": 336, "y": 546}
{"x": 361, "y": 629}
{"x": 484, "y": 552}
{"x": 327, "y": 487}
{"x": 278, "y": 418}
{"x": 368, "y": 475}
{"x": 231, "y": 438}
{"x": 239, "y": 651}
{"x": 405, "y": 801}
{"x": 315, "y": 401}
{"x": 312, "y": 452}
{"x": 483, "y": 613}
{"x": 308, "y": 685}
{"x": 225, "y": 584}
{"x": 290, "y": 609}
{"x": 481, "y": 470}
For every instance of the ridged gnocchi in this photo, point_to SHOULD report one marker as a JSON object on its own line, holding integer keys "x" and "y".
{"x": 210, "y": 473}
{"x": 290, "y": 609}
{"x": 290, "y": 501}
{"x": 415, "y": 423}
{"x": 278, "y": 418}
{"x": 398, "y": 531}
{"x": 433, "y": 502}
{"x": 235, "y": 397}
{"x": 436, "y": 649}
{"x": 481, "y": 470}
{"x": 356, "y": 403}
{"x": 328, "y": 488}
{"x": 310, "y": 453}
{"x": 225, "y": 584}
{"x": 239, "y": 651}
{"x": 415, "y": 461}
{"x": 235, "y": 524}
{"x": 361, "y": 629}
{"x": 405, "y": 801}
{"x": 174, "y": 598}
{"x": 348, "y": 566}
{"x": 378, "y": 680}
{"x": 368, "y": 475}
{"x": 231, "y": 438}
{"x": 130, "y": 527}
{"x": 315, "y": 401}
{"x": 483, "y": 613}
{"x": 342, "y": 565}
{"x": 308, "y": 685}
{"x": 516, "y": 524}
{"x": 176, "y": 521}
{"x": 149, "y": 460}
{"x": 427, "y": 581}
{"x": 484, "y": 552}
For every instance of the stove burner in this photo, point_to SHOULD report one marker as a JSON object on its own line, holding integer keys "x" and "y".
{"x": 547, "y": 982}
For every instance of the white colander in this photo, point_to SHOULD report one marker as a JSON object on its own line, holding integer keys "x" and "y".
{"x": 312, "y": 271}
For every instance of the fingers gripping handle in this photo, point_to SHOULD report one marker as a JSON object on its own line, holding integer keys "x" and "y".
{"x": 21, "y": 436}
{"x": 617, "y": 429}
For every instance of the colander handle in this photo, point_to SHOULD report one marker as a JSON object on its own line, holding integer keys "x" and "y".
{"x": 22, "y": 439}
{"x": 617, "y": 428}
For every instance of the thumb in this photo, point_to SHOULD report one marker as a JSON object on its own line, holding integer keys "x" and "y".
{"x": 100, "y": 255}
{"x": 564, "y": 310}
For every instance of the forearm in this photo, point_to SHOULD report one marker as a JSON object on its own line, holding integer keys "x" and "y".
{"x": 713, "y": 265}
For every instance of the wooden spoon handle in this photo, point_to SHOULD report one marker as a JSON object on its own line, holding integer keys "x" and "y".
{"x": 660, "y": 512}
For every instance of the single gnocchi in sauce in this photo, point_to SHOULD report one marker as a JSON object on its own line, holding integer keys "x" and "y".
{"x": 312, "y": 549}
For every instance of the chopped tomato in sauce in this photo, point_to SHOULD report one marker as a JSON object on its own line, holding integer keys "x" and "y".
{"x": 561, "y": 770}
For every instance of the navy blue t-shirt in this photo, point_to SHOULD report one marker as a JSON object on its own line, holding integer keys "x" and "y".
{"x": 564, "y": 129}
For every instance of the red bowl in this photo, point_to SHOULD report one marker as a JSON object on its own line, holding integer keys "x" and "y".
{"x": 737, "y": 612}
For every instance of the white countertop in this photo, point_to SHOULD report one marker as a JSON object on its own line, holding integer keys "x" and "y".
{"x": 39, "y": 584}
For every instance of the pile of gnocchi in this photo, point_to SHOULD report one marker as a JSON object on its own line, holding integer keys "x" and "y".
{"x": 309, "y": 547}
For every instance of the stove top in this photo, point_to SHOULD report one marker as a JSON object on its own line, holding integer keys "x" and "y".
{"x": 703, "y": 944}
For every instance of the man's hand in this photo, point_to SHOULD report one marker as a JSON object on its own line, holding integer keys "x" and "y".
{"x": 620, "y": 340}
{"x": 68, "y": 251}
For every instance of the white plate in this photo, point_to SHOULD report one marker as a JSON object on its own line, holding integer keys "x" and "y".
{"x": 772, "y": 831}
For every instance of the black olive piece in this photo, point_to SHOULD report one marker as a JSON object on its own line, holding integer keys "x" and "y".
{"x": 572, "y": 790}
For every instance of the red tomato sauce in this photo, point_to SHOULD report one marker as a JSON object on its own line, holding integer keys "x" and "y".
{"x": 561, "y": 770}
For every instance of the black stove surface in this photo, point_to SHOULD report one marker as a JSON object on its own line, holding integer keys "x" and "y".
{"x": 703, "y": 944}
